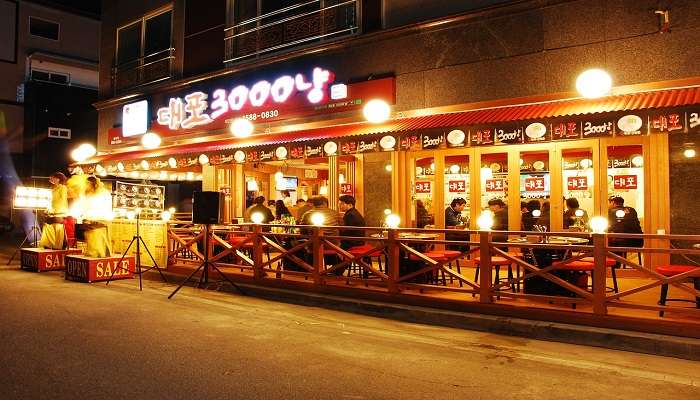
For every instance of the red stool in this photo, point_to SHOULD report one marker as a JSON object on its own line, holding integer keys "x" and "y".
{"x": 360, "y": 250}
{"x": 438, "y": 256}
{"x": 609, "y": 263}
{"x": 672, "y": 270}
{"x": 452, "y": 254}
{"x": 496, "y": 262}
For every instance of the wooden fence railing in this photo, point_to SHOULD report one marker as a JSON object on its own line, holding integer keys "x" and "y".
{"x": 399, "y": 261}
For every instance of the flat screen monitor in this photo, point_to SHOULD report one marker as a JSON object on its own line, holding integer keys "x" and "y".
{"x": 288, "y": 183}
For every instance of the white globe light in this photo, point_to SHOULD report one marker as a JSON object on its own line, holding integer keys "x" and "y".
{"x": 145, "y": 164}
{"x": 165, "y": 215}
{"x": 257, "y": 217}
{"x": 586, "y": 163}
{"x": 318, "y": 219}
{"x": 150, "y": 140}
{"x": 620, "y": 214}
{"x": 689, "y": 153}
{"x": 599, "y": 224}
{"x": 172, "y": 162}
{"x": 454, "y": 169}
{"x": 593, "y": 83}
{"x": 578, "y": 213}
{"x": 171, "y": 210}
{"x": 241, "y": 128}
{"x": 83, "y": 152}
{"x": 376, "y": 111}
{"x": 485, "y": 221}
{"x": 203, "y": 159}
{"x": 637, "y": 161}
{"x": 536, "y": 213}
{"x": 387, "y": 211}
{"x": 392, "y": 221}
{"x": 389, "y": 168}
{"x": 120, "y": 166}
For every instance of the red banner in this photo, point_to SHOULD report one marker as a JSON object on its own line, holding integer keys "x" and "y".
{"x": 624, "y": 182}
{"x": 424, "y": 187}
{"x": 496, "y": 185}
{"x": 535, "y": 184}
{"x": 577, "y": 183}
{"x": 457, "y": 186}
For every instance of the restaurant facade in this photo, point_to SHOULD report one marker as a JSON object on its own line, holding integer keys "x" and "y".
{"x": 482, "y": 106}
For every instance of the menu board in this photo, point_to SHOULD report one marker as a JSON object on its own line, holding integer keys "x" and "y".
{"x": 153, "y": 232}
{"x": 131, "y": 196}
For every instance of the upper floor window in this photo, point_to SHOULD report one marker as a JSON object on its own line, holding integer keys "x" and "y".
{"x": 144, "y": 51}
{"x": 43, "y": 28}
{"x": 48, "y": 76}
{"x": 59, "y": 133}
{"x": 258, "y": 27}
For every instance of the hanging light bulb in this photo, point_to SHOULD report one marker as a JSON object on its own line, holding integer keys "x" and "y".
{"x": 593, "y": 83}
{"x": 172, "y": 162}
{"x": 203, "y": 159}
{"x": 145, "y": 165}
{"x": 150, "y": 140}
{"x": 241, "y": 128}
{"x": 376, "y": 111}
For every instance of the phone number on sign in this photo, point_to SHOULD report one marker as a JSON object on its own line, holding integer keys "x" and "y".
{"x": 262, "y": 115}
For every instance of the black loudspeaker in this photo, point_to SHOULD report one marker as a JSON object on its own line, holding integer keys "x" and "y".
{"x": 206, "y": 207}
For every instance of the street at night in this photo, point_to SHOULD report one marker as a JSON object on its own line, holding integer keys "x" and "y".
{"x": 66, "y": 340}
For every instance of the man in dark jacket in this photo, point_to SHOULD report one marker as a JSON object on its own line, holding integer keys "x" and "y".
{"x": 623, "y": 220}
{"x": 259, "y": 206}
{"x": 352, "y": 217}
{"x": 453, "y": 220}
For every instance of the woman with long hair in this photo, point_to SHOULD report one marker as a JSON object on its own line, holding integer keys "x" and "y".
{"x": 281, "y": 210}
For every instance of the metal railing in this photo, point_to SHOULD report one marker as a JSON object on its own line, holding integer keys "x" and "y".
{"x": 413, "y": 262}
{"x": 295, "y": 25}
{"x": 144, "y": 70}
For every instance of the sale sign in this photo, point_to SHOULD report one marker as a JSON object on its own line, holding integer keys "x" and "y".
{"x": 625, "y": 182}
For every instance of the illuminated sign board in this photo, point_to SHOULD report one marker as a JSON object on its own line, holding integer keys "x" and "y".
{"x": 198, "y": 108}
{"x": 135, "y": 118}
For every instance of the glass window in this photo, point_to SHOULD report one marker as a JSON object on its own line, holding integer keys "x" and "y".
{"x": 534, "y": 190}
{"x": 578, "y": 184}
{"x": 494, "y": 188}
{"x": 157, "y": 33}
{"x": 626, "y": 177}
{"x": 423, "y": 189}
{"x": 128, "y": 43}
{"x": 457, "y": 183}
{"x": 42, "y": 28}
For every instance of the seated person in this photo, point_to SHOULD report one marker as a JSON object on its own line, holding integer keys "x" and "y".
{"x": 454, "y": 220}
{"x": 500, "y": 218}
{"x": 351, "y": 217}
{"x": 570, "y": 218}
{"x": 259, "y": 206}
{"x": 623, "y": 220}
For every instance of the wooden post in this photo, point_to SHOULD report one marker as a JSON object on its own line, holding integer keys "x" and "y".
{"x": 599, "y": 274}
{"x": 393, "y": 260}
{"x": 258, "y": 273}
{"x": 485, "y": 295}
{"x": 317, "y": 252}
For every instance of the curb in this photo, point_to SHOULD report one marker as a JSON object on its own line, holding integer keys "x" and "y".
{"x": 616, "y": 339}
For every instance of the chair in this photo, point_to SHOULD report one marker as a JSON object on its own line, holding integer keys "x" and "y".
{"x": 609, "y": 263}
{"x": 452, "y": 254}
{"x": 673, "y": 270}
{"x": 497, "y": 262}
{"x": 360, "y": 250}
{"x": 438, "y": 256}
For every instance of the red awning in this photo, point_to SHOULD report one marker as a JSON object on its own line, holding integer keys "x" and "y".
{"x": 531, "y": 111}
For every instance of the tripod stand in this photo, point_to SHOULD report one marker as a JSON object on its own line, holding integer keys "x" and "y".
{"x": 204, "y": 278}
{"x": 137, "y": 268}
{"x": 34, "y": 232}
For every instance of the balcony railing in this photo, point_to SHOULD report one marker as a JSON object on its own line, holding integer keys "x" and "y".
{"x": 145, "y": 70}
{"x": 288, "y": 27}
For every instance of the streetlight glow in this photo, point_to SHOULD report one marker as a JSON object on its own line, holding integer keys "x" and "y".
{"x": 376, "y": 111}
{"x": 150, "y": 140}
{"x": 241, "y": 128}
{"x": 593, "y": 83}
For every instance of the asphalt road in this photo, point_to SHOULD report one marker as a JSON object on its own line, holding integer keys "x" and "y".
{"x": 65, "y": 340}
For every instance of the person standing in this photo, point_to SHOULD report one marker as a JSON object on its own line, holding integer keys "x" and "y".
{"x": 53, "y": 233}
{"x": 351, "y": 217}
{"x": 97, "y": 209}
{"x": 286, "y": 198}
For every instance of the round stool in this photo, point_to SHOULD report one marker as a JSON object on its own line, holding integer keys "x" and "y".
{"x": 673, "y": 270}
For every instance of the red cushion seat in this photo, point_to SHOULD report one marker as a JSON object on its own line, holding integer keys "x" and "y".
{"x": 359, "y": 250}
{"x": 671, "y": 269}
{"x": 575, "y": 265}
{"x": 451, "y": 253}
{"x": 495, "y": 261}
{"x": 437, "y": 256}
{"x": 609, "y": 262}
